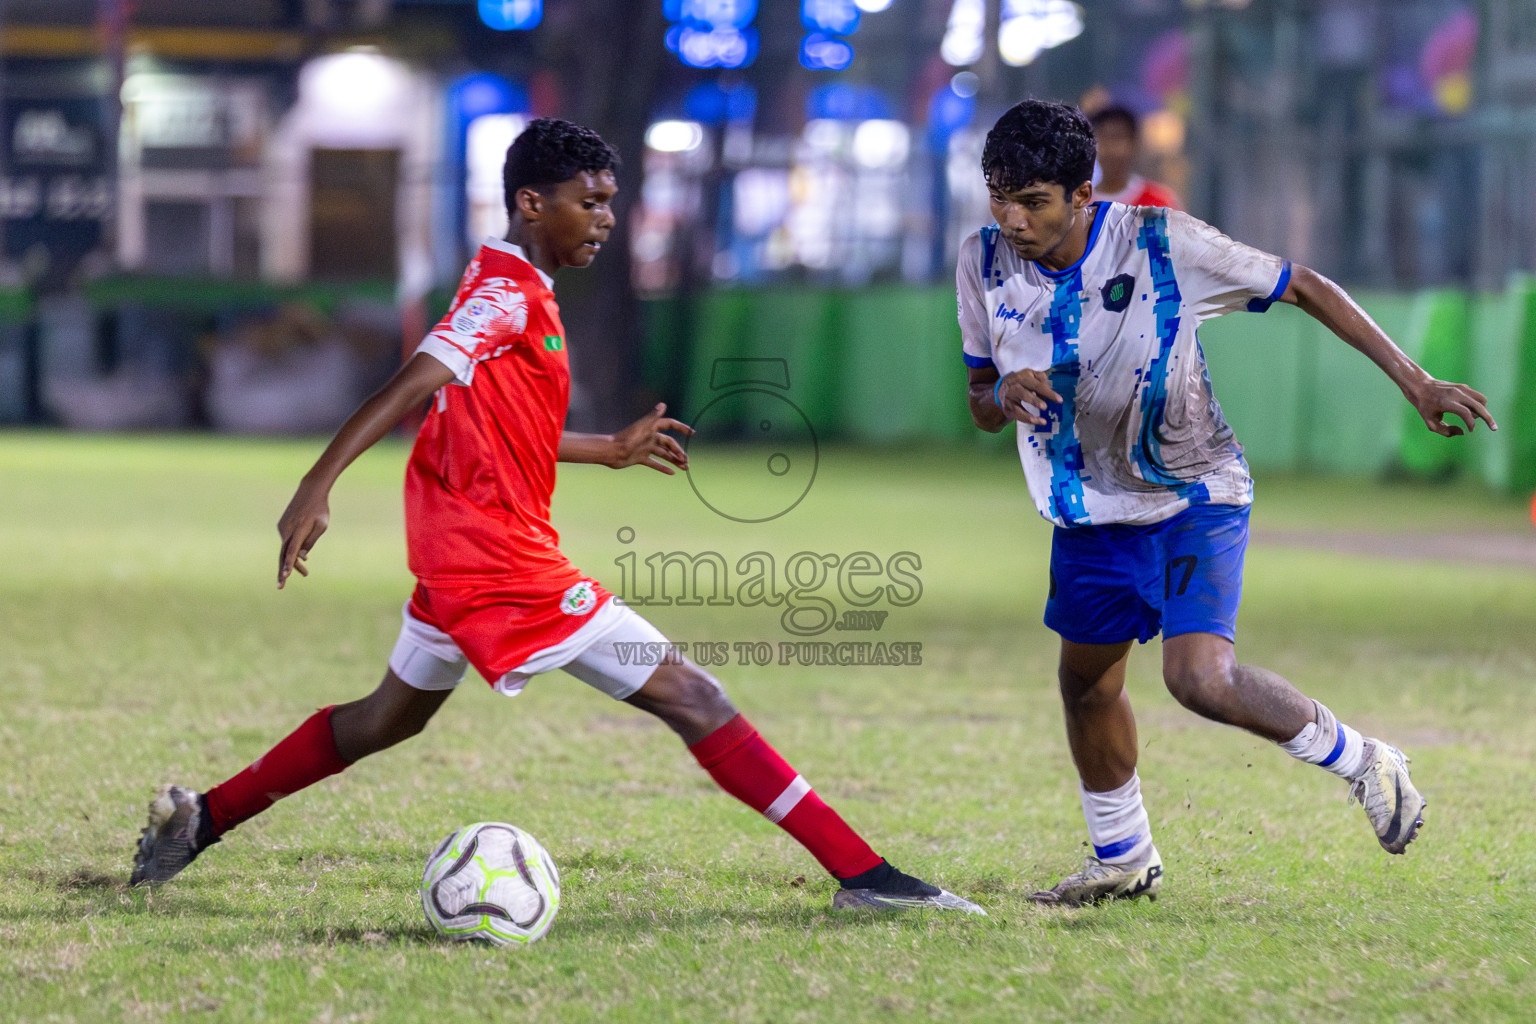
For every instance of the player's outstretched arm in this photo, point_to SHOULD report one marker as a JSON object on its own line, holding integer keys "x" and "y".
{"x": 309, "y": 513}
{"x": 642, "y": 443}
{"x": 1019, "y": 396}
{"x": 1434, "y": 399}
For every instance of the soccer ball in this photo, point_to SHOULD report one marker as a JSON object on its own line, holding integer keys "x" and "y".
{"x": 491, "y": 881}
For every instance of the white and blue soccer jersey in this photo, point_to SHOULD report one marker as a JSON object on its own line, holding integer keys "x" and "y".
{"x": 1138, "y": 436}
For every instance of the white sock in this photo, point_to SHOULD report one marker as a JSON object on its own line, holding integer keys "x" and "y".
{"x": 1117, "y": 823}
{"x": 1329, "y": 744}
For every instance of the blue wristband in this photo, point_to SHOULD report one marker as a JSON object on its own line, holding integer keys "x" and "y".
{"x": 995, "y": 400}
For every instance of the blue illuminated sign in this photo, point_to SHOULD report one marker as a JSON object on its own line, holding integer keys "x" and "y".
{"x": 834, "y": 17}
{"x": 511, "y": 15}
{"x": 712, "y": 103}
{"x": 737, "y": 14}
{"x": 845, "y": 101}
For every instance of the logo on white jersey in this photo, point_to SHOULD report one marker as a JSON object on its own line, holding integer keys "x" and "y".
{"x": 496, "y": 305}
{"x": 1116, "y": 292}
{"x": 580, "y": 599}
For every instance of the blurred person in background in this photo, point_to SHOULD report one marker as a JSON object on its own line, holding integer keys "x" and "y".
{"x": 1118, "y": 132}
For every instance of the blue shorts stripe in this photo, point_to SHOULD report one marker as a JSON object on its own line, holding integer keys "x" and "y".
{"x": 1117, "y": 848}
{"x": 1338, "y": 749}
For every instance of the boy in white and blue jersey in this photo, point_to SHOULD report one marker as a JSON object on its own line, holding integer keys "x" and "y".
{"x": 1079, "y": 322}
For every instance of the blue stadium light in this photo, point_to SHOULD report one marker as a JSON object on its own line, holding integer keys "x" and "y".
{"x": 712, "y": 33}
{"x": 512, "y": 15}
{"x": 713, "y": 48}
{"x": 821, "y": 52}
{"x": 834, "y": 17}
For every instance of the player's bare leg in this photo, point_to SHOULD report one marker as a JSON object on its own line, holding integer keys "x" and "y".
{"x": 689, "y": 700}
{"x": 1203, "y": 674}
{"x": 742, "y": 763}
{"x": 392, "y": 713}
{"x": 1100, "y": 727}
{"x": 1101, "y": 731}
{"x": 184, "y": 822}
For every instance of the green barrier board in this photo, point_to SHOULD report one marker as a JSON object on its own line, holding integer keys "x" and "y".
{"x": 1520, "y": 420}
{"x": 883, "y": 365}
{"x": 1442, "y": 332}
{"x": 15, "y": 306}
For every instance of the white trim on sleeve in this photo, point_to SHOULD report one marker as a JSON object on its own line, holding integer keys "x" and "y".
{"x": 451, "y": 356}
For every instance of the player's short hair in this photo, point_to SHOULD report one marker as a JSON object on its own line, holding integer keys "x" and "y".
{"x": 550, "y": 151}
{"x": 1039, "y": 141}
{"x": 1124, "y": 115}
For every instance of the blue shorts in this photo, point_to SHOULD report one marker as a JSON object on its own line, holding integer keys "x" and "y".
{"x": 1119, "y": 582}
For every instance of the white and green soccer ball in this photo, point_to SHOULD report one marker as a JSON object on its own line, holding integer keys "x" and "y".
{"x": 491, "y": 881}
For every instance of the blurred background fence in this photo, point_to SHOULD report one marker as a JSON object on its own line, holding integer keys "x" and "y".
{"x": 878, "y": 365}
{"x": 237, "y": 215}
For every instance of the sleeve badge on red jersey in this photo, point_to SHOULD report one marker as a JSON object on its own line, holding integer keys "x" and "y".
{"x": 496, "y": 304}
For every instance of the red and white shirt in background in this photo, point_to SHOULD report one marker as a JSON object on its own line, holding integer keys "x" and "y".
{"x": 1140, "y": 191}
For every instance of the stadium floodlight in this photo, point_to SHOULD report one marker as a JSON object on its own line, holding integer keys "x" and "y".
{"x": 965, "y": 33}
{"x": 1028, "y": 28}
{"x": 872, "y": 6}
{"x": 824, "y": 134}
{"x": 821, "y": 52}
{"x": 512, "y": 15}
{"x": 675, "y": 136}
{"x": 879, "y": 144}
{"x": 737, "y": 14}
{"x": 965, "y": 84}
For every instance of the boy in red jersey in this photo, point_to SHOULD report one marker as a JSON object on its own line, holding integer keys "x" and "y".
{"x": 493, "y": 588}
{"x": 1117, "y": 131}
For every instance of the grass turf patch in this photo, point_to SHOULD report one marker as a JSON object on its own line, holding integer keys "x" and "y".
{"x": 144, "y": 642}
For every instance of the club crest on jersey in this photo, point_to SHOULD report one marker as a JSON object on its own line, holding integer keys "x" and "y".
{"x": 1117, "y": 292}
{"x": 580, "y": 599}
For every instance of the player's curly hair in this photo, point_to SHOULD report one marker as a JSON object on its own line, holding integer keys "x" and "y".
{"x": 1039, "y": 141}
{"x": 550, "y": 151}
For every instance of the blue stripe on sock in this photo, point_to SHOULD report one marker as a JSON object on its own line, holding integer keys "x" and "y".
{"x": 1338, "y": 748}
{"x": 1116, "y": 849}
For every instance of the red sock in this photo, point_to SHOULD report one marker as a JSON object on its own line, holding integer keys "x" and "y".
{"x": 746, "y": 767}
{"x": 303, "y": 758}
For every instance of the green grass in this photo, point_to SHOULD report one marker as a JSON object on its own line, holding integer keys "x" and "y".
{"x": 142, "y": 641}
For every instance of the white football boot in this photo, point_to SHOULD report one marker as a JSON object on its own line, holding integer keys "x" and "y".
{"x": 1098, "y": 882}
{"x": 1394, "y": 807}
{"x": 901, "y": 891}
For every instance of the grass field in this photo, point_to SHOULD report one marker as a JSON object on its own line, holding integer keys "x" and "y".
{"x": 142, "y": 641}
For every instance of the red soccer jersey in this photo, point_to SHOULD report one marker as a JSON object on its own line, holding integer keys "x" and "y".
{"x": 478, "y": 487}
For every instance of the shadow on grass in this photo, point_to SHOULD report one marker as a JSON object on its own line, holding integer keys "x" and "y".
{"x": 82, "y": 880}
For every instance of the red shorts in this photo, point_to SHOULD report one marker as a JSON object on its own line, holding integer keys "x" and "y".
{"x": 500, "y": 628}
